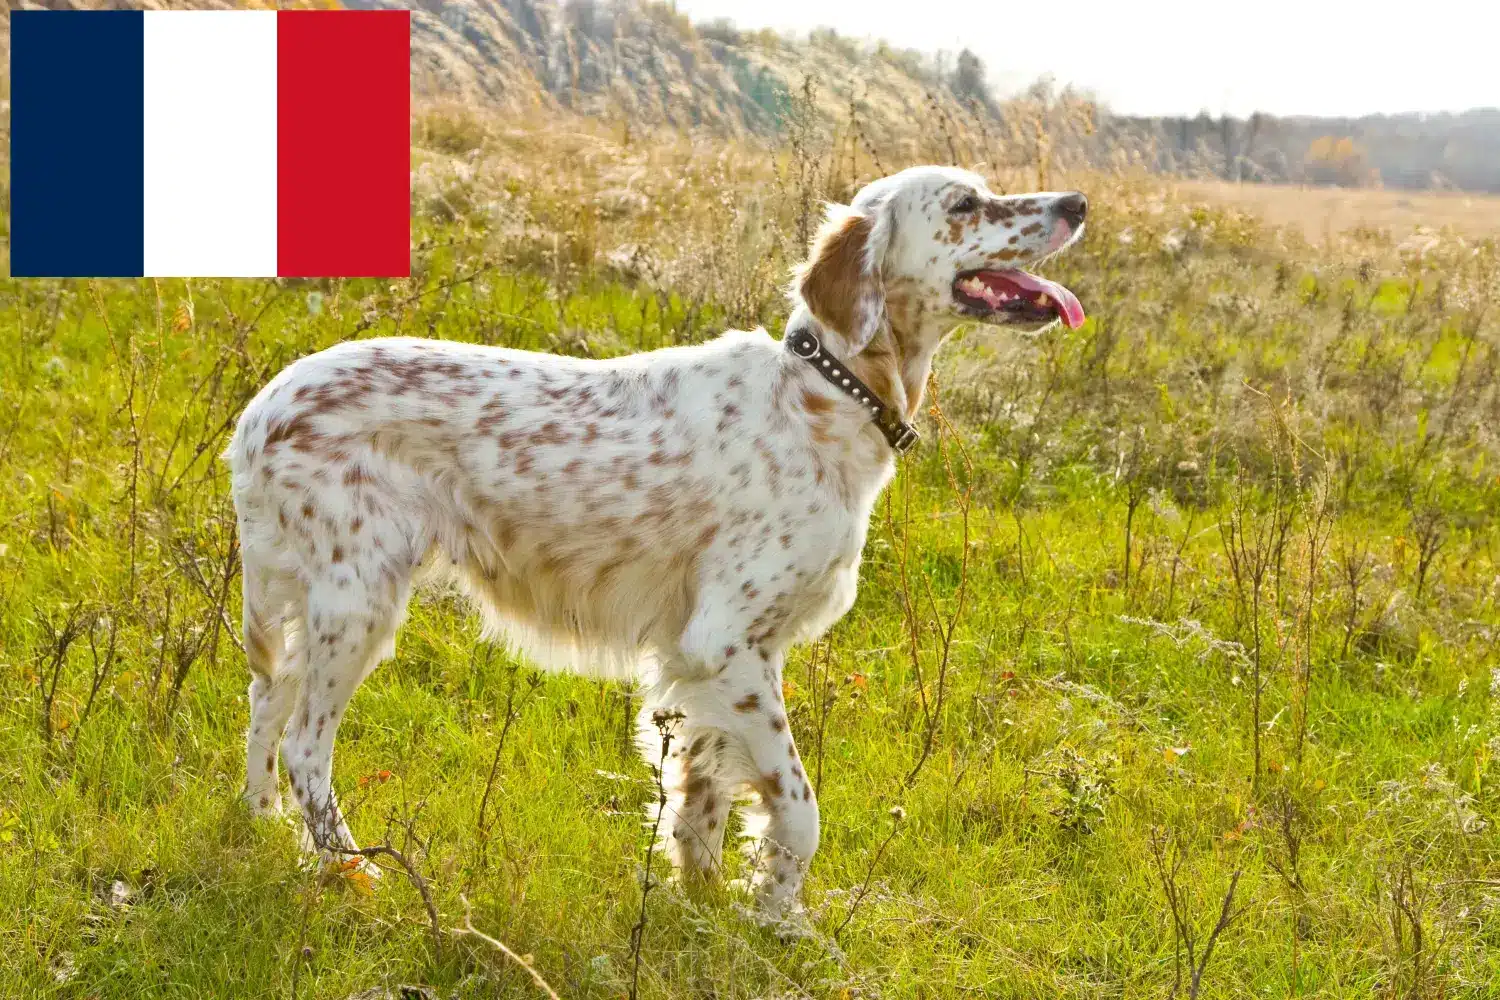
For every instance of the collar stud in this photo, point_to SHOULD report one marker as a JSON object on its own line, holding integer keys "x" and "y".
{"x": 899, "y": 434}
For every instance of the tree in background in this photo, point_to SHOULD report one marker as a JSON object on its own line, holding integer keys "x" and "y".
{"x": 1340, "y": 162}
{"x": 968, "y": 81}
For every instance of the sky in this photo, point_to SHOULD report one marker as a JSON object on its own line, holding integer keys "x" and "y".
{"x": 1164, "y": 57}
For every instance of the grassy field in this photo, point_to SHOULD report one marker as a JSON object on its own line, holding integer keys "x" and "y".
{"x": 1320, "y": 213}
{"x": 1173, "y": 669}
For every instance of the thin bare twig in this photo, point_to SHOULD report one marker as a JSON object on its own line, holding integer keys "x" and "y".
{"x": 512, "y": 713}
{"x": 664, "y": 722}
{"x": 469, "y": 930}
{"x": 897, "y": 815}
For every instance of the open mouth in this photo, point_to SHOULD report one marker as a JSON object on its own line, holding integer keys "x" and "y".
{"x": 1018, "y": 296}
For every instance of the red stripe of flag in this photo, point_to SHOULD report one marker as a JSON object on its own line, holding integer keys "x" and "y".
{"x": 343, "y": 137}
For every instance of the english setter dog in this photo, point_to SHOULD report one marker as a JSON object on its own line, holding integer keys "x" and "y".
{"x": 679, "y": 517}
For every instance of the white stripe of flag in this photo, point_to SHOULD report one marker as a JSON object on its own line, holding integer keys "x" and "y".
{"x": 210, "y": 143}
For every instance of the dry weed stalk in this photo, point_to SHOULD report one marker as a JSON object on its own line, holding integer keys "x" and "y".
{"x": 1285, "y": 860}
{"x": 469, "y": 930}
{"x": 52, "y": 659}
{"x": 666, "y": 726}
{"x": 943, "y": 625}
{"x": 323, "y": 827}
{"x": 824, "y": 696}
{"x": 1167, "y": 857}
{"x": 512, "y": 713}
{"x": 897, "y": 814}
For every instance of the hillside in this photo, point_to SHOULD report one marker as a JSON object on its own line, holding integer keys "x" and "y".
{"x": 643, "y": 65}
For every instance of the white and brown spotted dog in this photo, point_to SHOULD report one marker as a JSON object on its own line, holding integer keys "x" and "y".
{"x": 681, "y": 517}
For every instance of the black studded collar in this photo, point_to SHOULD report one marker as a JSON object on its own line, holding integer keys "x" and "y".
{"x": 898, "y": 433}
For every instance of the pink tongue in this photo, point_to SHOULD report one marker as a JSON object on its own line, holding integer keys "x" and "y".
{"x": 1067, "y": 302}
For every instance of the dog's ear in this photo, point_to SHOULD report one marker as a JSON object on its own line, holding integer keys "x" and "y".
{"x": 841, "y": 280}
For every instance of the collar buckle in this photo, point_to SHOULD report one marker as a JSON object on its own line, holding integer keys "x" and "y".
{"x": 904, "y": 441}
{"x": 805, "y": 345}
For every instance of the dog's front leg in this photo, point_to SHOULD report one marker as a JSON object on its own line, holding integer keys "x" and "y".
{"x": 744, "y": 702}
{"x": 784, "y": 827}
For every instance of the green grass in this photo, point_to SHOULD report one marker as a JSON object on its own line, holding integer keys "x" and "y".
{"x": 1087, "y": 713}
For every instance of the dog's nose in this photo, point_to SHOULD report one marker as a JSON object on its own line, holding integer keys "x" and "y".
{"x": 1073, "y": 207}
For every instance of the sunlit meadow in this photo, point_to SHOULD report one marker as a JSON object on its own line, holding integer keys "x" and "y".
{"x": 1173, "y": 672}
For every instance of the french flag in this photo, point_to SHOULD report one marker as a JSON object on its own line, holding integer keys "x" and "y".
{"x": 210, "y": 143}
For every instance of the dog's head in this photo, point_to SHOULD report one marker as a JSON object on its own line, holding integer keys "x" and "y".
{"x": 921, "y": 251}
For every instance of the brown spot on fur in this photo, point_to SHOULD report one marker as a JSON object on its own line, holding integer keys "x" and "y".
{"x": 778, "y": 724}
{"x": 772, "y": 783}
{"x": 270, "y": 762}
{"x": 297, "y": 430}
{"x": 692, "y": 787}
{"x": 749, "y": 703}
{"x": 551, "y": 433}
{"x": 257, "y": 648}
{"x": 816, "y": 404}
{"x": 998, "y": 211}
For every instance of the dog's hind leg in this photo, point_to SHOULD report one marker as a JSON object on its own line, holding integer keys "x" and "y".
{"x": 349, "y": 630}
{"x": 698, "y": 792}
{"x": 275, "y": 676}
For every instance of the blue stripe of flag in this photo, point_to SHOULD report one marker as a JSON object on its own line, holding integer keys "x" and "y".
{"x": 77, "y": 157}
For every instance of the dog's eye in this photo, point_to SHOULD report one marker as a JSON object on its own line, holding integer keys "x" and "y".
{"x": 965, "y": 205}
